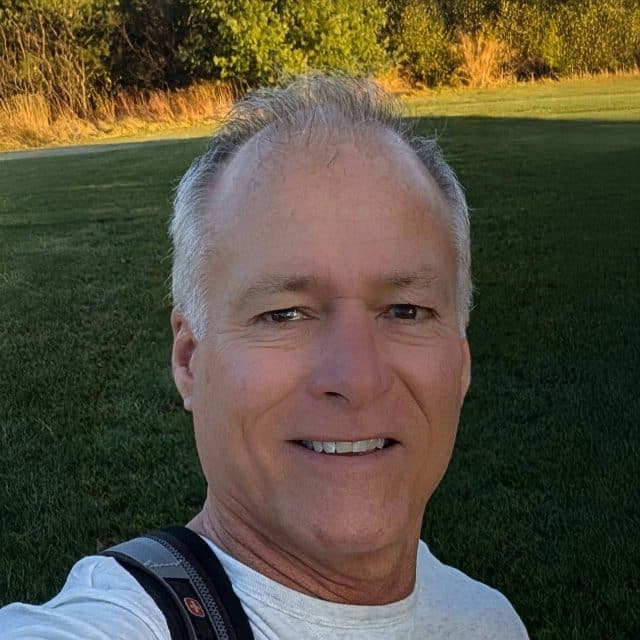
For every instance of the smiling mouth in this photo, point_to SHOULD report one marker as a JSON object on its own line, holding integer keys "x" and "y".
{"x": 353, "y": 447}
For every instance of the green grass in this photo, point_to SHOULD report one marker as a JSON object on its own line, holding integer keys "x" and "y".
{"x": 541, "y": 499}
{"x": 607, "y": 97}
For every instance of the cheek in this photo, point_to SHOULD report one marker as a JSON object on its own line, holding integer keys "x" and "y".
{"x": 433, "y": 381}
{"x": 236, "y": 388}
{"x": 446, "y": 379}
{"x": 445, "y": 398}
{"x": 240, "y": 420}
{"x": 434, "y": 374}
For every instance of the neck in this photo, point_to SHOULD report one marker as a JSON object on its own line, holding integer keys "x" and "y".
{"x": 381, "y": 577}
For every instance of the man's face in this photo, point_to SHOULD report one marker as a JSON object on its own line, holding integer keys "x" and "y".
{"x": 332, "y": 318}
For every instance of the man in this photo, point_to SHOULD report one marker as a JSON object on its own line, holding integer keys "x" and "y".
{"x": 321, "y": 283}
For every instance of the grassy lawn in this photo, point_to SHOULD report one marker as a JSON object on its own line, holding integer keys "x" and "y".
{"x": 542, "y": 497}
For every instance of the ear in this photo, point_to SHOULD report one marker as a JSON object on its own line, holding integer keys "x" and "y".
{"x": 465, "y": 375}
{"x": 184, "y": 344}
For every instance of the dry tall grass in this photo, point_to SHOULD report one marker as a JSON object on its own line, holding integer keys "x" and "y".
{"x": 197, "y": 102}
{"x": 484, "y": 60}
{"x": 41, "y": 55}
{"x": 21, "y": 115}
{"x": 394, "y": 82}
{"x": 30, "y": 120}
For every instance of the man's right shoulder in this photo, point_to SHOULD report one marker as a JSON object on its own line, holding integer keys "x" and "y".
{"x": 99, "y": 600}
{"x": 458, "y": 606}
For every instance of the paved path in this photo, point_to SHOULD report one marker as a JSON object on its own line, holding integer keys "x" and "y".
{"x": 75, "y": 150}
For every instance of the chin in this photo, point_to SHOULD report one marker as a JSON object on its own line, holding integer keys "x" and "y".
{"x": 355, "y": 534}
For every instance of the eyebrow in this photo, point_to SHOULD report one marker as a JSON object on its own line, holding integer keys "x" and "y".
{"x": 275, "y": 283}
{"x": 422, "y": 278}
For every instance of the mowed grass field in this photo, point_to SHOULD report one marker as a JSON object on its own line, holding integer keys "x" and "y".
{"x": 542, "y": 496}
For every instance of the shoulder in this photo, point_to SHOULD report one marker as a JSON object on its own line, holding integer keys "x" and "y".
{"x": 99, "y": 599}
{"x": 463, "y": 606}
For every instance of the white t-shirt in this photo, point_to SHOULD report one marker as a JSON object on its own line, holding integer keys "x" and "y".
{"x": 102, "y": 601}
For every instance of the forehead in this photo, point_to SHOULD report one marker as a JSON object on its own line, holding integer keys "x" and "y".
{"x": 348, "y": 207}
{"x": 268, "y": 166}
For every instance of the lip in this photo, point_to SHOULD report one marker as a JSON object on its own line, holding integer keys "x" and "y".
{"x": 350, "y": 438}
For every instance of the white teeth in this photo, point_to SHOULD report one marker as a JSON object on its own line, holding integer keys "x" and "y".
{"x": 361, "y": 446}
{"x": 344, "y": 446}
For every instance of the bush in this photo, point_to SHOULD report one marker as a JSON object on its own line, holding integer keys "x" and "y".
{"x": 531, "y": 34}
{"x": 596, "y": 35}
{"x": 240, "y": 39}
{"x": 422, "y": 44}
{"x": 145, "y": 49}
{"x": 337, "y": 34}
{"x": 470, "y": 16}
{"x": 579, "y": 36}
{"x": 635, "y": 27}
{"x": 257, "y": 41}
{"x": 57, "y": 49}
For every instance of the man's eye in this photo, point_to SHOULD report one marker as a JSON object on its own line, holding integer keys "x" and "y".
{"x": 282, "y": 315}
{"x": 409, "y": 312}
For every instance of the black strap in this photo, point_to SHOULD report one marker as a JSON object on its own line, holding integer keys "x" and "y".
{"x": 162, "y": 596}
{"x": 187, "y": 582}
{"x": 205, "y": 561}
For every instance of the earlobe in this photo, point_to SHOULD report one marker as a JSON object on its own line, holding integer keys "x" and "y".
{"x": 184, "y": 345}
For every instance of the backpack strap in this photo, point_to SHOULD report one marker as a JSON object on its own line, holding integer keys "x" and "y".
{"x": 187, "y": 582}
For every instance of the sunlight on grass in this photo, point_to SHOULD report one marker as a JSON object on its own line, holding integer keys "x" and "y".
{"x": 607, "y": 97}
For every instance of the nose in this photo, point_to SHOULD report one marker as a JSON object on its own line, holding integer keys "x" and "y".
{"x": 349, "y": 363}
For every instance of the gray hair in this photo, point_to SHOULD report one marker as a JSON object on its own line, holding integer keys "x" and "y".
{"x": 312, "y": 101}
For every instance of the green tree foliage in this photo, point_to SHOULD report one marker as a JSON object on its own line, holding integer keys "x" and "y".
{"x": 574, "y": 36}
{"x": 597, "y": 35}
{"x": 470, "y": 16}
{"x": 240, "y": 39}
{"x": 422, "y": 43}
{"x": 531, "y": 33}
{"x": 336, "y": 34}
{"x": 255, "y": 41}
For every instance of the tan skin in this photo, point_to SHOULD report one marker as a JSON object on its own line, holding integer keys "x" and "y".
{"x": 332, "y": 316}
